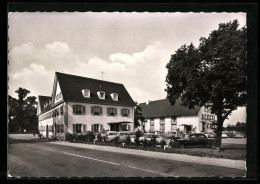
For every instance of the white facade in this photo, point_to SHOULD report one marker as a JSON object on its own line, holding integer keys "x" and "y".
{"x": 201, "y": 122}
{"x": 88, "y": 119}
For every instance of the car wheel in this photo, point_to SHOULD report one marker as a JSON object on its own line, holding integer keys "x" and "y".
{"x": 181, "y": 146}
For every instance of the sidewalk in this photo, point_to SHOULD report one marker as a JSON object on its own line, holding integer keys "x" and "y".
{"x": 236, "y": 164}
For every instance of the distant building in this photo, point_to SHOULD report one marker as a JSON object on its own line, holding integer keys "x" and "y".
{"x": 161, "y": 115}
{"x": 80, "y": 104}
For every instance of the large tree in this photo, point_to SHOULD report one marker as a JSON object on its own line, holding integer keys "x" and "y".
{"x": 22, "y": 111}
{"x": 212, "y": 75}
{"x": 138, "y": 116}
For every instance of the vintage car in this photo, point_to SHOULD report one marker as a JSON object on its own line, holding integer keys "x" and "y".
{"x": 172, "y": 134}
{"x": 149, "y": 136}
{"x": 124, "y": 134}
{"x": 195, "y": 140}
{"x": 110, "y": 135}
{"x": 153, "y": 132}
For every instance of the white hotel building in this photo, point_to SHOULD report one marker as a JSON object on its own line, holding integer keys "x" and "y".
{"x": 80, "y": 104}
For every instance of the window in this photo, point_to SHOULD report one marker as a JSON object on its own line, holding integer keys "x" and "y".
{"x": 101, "y": 94}
{"x": 152, "y": 120}
{"x": 101, "y": 128}
{"x": 86, "y": 93}
{"x": 173, "y": 127}
{"x": 96, "y": 110}
{"x": 94, "y": 127}
{"x": 77, "y": 128}
{"x": 79, "y": 109}
{"x": 58, "y": 128}
{"x": 162, "y": 127}
{"x": 111, "y": 111}
{"x": 201, "y": 136}
{"x": 125, "y": 112}
{"x": 173, "y": 119}
{"x": 162, "y": 120}
{"x": 61, "y": 110}
{"x": 84, "y": 127}
{"x": 193, "y": 137}
{"x": 114, "y": 96}
{"x": 58, "y": 96}
{"x": 151, "y": 126}
{"x": 61, "y": 128}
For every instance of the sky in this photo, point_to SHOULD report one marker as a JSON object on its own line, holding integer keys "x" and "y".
{"x": 129, "y": 48}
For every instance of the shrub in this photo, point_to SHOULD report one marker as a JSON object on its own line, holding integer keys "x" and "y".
{"x": 99, "y": 137}
{"x": 116, "y": 140}
{"x": 174, "y": 144}
{"x": 153, "y": 140}
{"x": 128, "y": 140}
{"x": 90, "y": 137}
{"x": 145, "y": 143}
{"x": 138, "y": 134}
{"x": 162, "y": 143}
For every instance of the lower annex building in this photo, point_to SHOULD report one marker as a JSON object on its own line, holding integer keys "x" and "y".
{"x": 162, "y": 116}
{"x": 80, "y": 104}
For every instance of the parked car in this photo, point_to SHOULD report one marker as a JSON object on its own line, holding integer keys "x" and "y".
{"x": 224, "y": 135}
{"x": 230, "y": 135}
{"x": 148, "y": 137}
{"x": 195, "y": 139}
{"x": 124, "y": 134}
{"x": 210, "y": 135}
{"x": 238, "y": 135}
{"x": 154, "y": 132}
{"x": 110, "y": 135}
{"x": 172, "y": 134}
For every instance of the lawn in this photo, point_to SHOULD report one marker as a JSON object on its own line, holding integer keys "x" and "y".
{"x": 228, "y": 151}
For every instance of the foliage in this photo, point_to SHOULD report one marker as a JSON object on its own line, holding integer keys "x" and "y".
{"x": 138, "y": 116}
{"x": 138, "y": 134}
{"x": 128, "y": 140}
{"x": 153, "y": 140}
{"x": 212, "y": 75}
{"x": 174, "y": 144}
{"x": 162, "y": 143}
{"x": 116, "y": 140}
{"x": 99, "y": 137}
{"x": 22, "y": 112}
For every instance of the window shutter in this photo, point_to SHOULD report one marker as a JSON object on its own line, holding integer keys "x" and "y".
{"x": 92, "y": 110}
{"x": 101, "y": 128}
{"x": 92, "y": 128}
{"x": 121, "y": 112}
{"x": 115, "y": 111}
{"x": 129, "y": 127}
{"x": 74, "y": 128}
{"x": 100, "y": 110}
{"x": 128, "y": 111}
{"x": 84, "y": 109}
{"x": 74, "y": 109}
{"x": 84, "y": 127}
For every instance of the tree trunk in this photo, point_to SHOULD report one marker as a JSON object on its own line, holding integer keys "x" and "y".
{"x": 219, "y": 131}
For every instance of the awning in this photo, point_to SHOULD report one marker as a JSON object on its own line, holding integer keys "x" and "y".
{"x": 185, "y": 125}
{"x": 121, "y": 122}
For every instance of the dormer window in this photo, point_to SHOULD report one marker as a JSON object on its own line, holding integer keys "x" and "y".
{"x": 86, "y": 93}
{"x": 101, "y": 94}
{"x": 114, "y": 96}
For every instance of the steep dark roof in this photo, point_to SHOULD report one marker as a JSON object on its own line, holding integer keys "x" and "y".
{"x": 42, "y": 101}
{"x": 163, "y": 108}
{"x": 71, "y": 88}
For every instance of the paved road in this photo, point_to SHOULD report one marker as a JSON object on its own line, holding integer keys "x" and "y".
{"x": 33, "y": 158}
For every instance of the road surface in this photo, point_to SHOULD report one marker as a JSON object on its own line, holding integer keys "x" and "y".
{"x": 34, "y": 158}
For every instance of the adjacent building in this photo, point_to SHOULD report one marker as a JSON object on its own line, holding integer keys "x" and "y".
{"x": 161, "y": 115}
{"x": 80, "y": 104}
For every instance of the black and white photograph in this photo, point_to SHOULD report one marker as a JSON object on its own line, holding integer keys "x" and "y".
{"x": 127, "y": 94}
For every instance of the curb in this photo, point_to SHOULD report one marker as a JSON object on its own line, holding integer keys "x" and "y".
{"x": 235, "y": 164}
